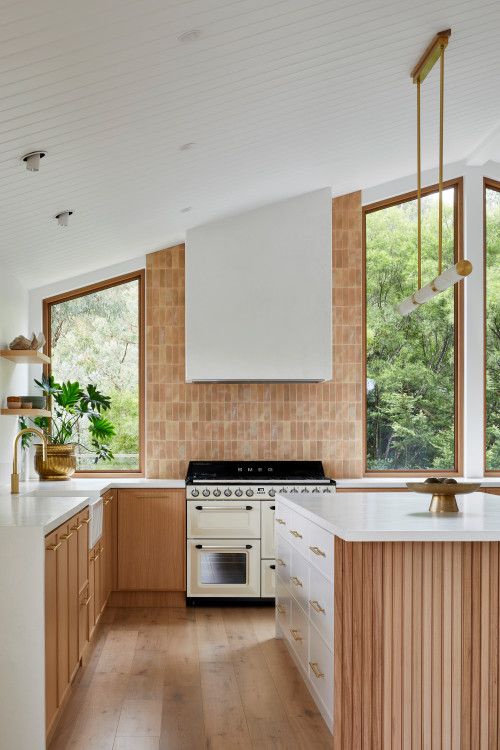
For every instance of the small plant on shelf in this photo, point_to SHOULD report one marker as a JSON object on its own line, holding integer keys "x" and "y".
{"x": 75, "y": 413}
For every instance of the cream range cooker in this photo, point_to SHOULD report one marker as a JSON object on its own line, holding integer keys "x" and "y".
{"x": 230, "y": 524}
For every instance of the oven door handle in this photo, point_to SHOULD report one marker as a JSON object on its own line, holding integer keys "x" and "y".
{"x": 221, "y": 507}
{"x": 218, "y": 546}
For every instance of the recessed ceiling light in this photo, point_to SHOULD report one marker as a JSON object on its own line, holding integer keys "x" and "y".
{"x": 32, "y": 160}
{"x": 63, "y": 218}
{"x": 187, "y": 146}
{"x": 185, "y": 210}
{"x": 189, "y": 36}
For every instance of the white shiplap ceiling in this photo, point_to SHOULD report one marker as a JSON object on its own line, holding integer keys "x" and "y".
{"x": 279, "y": 97}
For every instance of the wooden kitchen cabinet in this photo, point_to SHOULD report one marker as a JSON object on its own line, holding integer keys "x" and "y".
{"x": 107, "y": 547}
{"x": 63, "y": 644}
{"x": 151, "y": 540}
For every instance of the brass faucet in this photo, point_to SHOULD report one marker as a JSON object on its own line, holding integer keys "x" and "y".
{"x": 14, "y": 479}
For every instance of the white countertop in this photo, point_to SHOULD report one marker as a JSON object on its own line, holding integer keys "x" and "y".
{"x": 400, "y": 482}
{"x": 46, "y": 505}
{"x": 400, "y": 516}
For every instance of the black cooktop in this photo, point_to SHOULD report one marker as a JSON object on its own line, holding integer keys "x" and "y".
{"x": 269, "y": 472}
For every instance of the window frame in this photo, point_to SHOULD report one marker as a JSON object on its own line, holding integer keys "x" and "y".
{"x": 82, "y": 292}
{"x": 488, "y": 183}
{"x": 456, "y": 183}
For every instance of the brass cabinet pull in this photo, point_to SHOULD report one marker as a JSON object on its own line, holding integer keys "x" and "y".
{"x": 296, "y": 581}
{"x": 85, "y": 602}
{"x": 96, "y": 556}
{"x": 295, "y": 636}
{"x": 280, "y": 562}
{"x": 77, "y": 527}
{"x": 317, "y": 551}
{"x": 67, "y": 536}
{"x": 280, "y": 520}
{"x": 296, "y": 534}
{"x": 280, "y": 609}
{"x": 101, "y": 550}
{"x": 314, "y": 665}
{"x": 53, "y": 547}
{"x": 86, "y": 520}
{"x": 316, "y": 605}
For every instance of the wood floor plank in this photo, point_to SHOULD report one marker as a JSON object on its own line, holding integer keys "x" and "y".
{"x": 140, "y": 718}
{"x": 147, "y": 675}
{"x": 183, "y": 725}
{"x": 153, "y": 634}
{"x": 137, "y": 743}
{"x": 212, "y": 639}
{"x": 225, "y": 723}
{"x": 96, "y": 725}
{"x": 118, "y": 652}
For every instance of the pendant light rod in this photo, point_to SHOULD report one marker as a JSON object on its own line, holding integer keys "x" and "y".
{"x": 441, "y": 118}
{"x": 442, "y": 282}
{"x": 430, "y": 56}
{"x": 419, "y": 192}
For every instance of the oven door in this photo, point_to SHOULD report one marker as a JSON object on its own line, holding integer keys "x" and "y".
{"x": 223, "y": 567}
{"x": 228, "y": 519}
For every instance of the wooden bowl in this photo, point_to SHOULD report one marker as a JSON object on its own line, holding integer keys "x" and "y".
{"x": 443, "y": 495}
{"x": 26, "y": 405}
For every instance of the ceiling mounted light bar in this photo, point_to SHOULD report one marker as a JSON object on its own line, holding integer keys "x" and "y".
{"x": 463, "y": 268}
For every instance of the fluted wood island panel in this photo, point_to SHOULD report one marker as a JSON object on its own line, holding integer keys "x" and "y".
{"x": 416, "y": 645}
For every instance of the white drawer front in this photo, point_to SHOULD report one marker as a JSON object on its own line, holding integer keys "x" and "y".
{"x": 283, "y": 606}
{"x": 299, "y": 633}
{"x": 321, "y": 550}
{"x": 283, "y": 557}
{"x": 267, "y": 578}
{"x": 321, "y": 605}
{"x": 298, "y": 533}
{"x": 226, "y": 519}
{"x": 299, "y": 579}
{"x": 320, "y": 670}
{"x": 281, "y": 519}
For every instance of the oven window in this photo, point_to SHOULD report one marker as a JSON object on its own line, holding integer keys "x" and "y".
{"x": 223, "y": 567}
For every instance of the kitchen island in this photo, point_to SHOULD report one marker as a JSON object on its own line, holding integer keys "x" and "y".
{"x": 409, "y": 625}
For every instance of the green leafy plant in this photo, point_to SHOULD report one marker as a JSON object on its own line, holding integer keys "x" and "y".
{"x": 72, "y": 405}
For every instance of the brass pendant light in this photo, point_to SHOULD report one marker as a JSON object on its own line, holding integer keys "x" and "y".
{"x": 463, "y": 268}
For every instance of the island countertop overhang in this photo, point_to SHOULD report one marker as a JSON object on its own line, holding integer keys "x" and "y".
{"x": 400, "y": 517}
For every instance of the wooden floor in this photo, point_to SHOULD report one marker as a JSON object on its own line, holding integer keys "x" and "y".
{"x": 187, "y": 679}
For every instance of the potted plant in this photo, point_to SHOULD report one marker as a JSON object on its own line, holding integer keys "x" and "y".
{"x": 63, "y": 430}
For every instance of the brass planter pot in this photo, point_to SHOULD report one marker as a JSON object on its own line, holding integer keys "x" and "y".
{"x": 60, "y": 463}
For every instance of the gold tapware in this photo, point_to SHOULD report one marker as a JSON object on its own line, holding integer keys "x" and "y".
{"x": 59, "y": 464}
{"x": 443, "y": 495}
{"x": 14, "y": 479}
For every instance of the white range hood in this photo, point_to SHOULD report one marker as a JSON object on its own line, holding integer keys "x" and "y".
{"x": 259, "y": 294}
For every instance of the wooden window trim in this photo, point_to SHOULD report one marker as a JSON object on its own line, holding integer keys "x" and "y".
{"x": 456, "y": 183}
{"x": 139, "y": 276}
{"x": 488, "y": 183}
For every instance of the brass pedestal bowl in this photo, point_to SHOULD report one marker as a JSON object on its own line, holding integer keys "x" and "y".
{"x": 443, "y": 495}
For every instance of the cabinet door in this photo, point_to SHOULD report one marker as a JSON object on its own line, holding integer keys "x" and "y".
{"x": 51, "y": 702}
{"x": 83, "y": 620}
{"x": 91, "y": 603}
{"x": 71, "y": 537}
{"x": 106, "y": 553}
{"x": 62, "y": 614}
{"x": 151, "y": 540}
{"x": 97, "y": 583}
{"x": 81, "y": 528}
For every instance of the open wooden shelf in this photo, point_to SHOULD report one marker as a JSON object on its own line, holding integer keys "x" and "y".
{"x": 25, "y": 355}
{"x": 27, "y": 412}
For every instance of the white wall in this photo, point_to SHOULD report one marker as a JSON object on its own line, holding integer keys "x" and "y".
{"x": 13, "y": 378}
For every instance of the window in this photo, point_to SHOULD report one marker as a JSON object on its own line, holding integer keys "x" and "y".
{"x": 95, "y": 335}
{"x": 412, "y": 362}
{"x": 492, "y": 322}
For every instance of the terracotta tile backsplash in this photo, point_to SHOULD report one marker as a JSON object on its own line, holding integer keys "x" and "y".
{"x": 264, "y": 421}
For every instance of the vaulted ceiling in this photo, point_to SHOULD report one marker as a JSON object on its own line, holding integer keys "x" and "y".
{"x": 152, "y": 107}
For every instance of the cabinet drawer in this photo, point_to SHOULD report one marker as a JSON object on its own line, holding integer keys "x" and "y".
{"x": 283, "y": 606}
{"x": 281, "y": 519}
{"x": 299, "y": 633}
{"x": 320, "y": 603}
{"x": 321, "y": 548}
{"x": 283, "y": 556}
{"x": 320, "y": 670}
{"x": 298, "y": 533}
{"x": 299, "y": 579}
